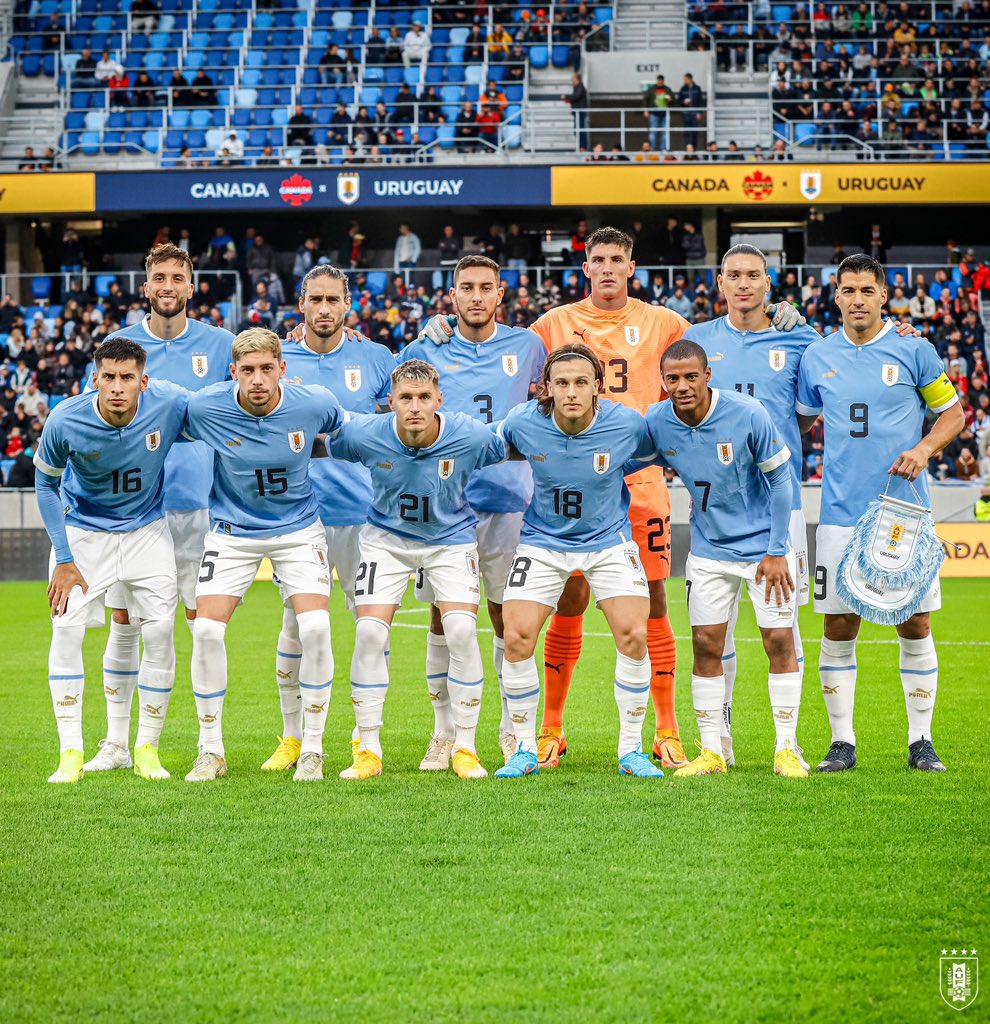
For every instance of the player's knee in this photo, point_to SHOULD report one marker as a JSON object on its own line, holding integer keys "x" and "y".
{"x": 707, "y": 648}
{"x": 520, "y": 643}
{"x": 290, "y": 628}
{"x": 208, "y": 631}
{"x": 313, "y": 626}
{"x": 630, "y": 640}
{"x": 159, "y": 643}
{"x": 461, "y": 629}
{"x": 370, "y": 637}
{"x": 779, "y": 645}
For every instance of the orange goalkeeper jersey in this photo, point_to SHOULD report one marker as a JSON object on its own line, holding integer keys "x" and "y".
{"x": 629, "y": 341}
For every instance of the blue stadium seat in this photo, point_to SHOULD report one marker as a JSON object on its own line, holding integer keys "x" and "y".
{"x": 102, "y": 284}
{"x": 377, "y": 281}
{"x": 90, "y": 143}
{"x": 41, "y": 288}
{"x": 151, "y": 140}
{"x": 561, "y": 56}
{"x": 510, "y": 278}
{"x": 446, "y": 136}
{"x": 539, "y": 56}
{"x": 179, "y": 118}
{"x": 200, "y": 118}
{"x": 804, "y": 132}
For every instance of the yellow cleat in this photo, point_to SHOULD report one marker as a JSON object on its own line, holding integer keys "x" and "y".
{"x": 467, "y": 765}
{"x": 366, "y": 764}
{"x": 70, "y": 767}
{"x": 147, "y": 764}
{"x": 706, "y": 763}
{"x": 788, "y": 765}
{"x": 355, "y": 747}
{"x": 551, "y": 746}
{"x": 285, "y": 756}
{"x": 668, "y": 749}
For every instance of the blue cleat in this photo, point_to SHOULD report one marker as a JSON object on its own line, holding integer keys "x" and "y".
{"x": 638, "y": 764}
{"x": 521, "y": 763}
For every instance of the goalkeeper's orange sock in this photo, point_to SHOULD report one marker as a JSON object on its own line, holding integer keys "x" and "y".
{"x": 663, "y": 662}
{"x": 561, "y": 650}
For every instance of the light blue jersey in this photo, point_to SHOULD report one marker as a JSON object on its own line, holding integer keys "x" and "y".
{"x": 357, "y": 372}
{"x": 763, "y": 365}
{"x": 419, "y": 492}
{"x": 486, "y": 381}
{"x": 580, "y": 501}
{"x": 196, "y": 358}
{"x": 874, "y": 398}
{"x": 734, "y": 465}
{"x": 116, "y": 483}
{"x": 261, "y": 482}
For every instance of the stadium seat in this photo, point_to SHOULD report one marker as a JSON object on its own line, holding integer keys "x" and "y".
{"x": 151, "y": 140}
{"x": 804, "y": 133}
{"x": 214, "y": 138}
{"x": 377, "y": 282}
{"x": 41, "y": 288}
{"x": 539, "y": 56}
{"x": 511, "y": 136}
{"x": 561, "y": 56}
{"x": 510, "y": 278}
{"x": 446, "y": 135}
{"x": 95, "y": 120}
{"x": 200, "y": 118}
{"x": 102, "y": 284}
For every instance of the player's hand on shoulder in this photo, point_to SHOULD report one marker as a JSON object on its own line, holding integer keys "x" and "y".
{"x": 297, "y": 334}
{"x": 351, "y": 334}
{"x": 773, "y": 570}
{"x": 64, "y": 579}
{"x": 439, "y": 329}
{"x": 909, "y": 464}
{"x": 905, "y": 328}
{"x": 784, "y": 316}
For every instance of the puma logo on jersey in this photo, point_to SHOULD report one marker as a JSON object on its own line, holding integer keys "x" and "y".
{"x": 580, "y": 334}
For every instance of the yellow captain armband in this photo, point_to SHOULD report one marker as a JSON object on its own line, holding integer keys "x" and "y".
{"x": 939, "y": 394}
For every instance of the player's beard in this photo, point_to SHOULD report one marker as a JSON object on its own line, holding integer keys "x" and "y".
{"x": 475, "y": 320}
{"x": 322, "y": 332}
{"x": 180, "y": 307}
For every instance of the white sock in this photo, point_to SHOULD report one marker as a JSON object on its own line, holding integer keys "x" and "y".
{"x": 785, "y": 702}
{"x": 919, "y": 678}
{"x": 498, "y": 656}
{"x": 65, "y": 680}
{"x": 157, "y": 676}
{"x": 190, "y": 625}
{"x": 369, "y": 680}
{"x": 522, "y": 690}
{"x": 209, "y": 681}
{"x": 288, "y": 654}
{"x": 437, "y": 664}
{"x": 315, "y": 676}
{"x": 729, "y": 665}
{"x": 465, "y": 677}
{"x": 120, "y": 675}
{"x": 706, "y": 694}
{"x": 632, "y": 688}
{"x": 837, "y": 671}
{"x": 798, "y": 645}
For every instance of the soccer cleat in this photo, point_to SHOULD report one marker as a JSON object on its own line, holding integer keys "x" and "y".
{"x": 508, "y": 744}
{"x": 551, "y": 746}
{"x": 522, "y": 762}
{"x": 638, "y": 764}
{"x": 309, "y": 768}
{"x": 467, "y": 765}
{"x": 787, "y": 764}
{"x": 668, "y": 749}
{"x": 841, "y": 757}
{"x": 437, "y": 758}
{"x": 147, "y": 763}
{"x": 355, "y": 746}
{"x": 285, "y": 756}
{"x": 70, "y": 767}
{"x": 366, "y": 764}
{"x": 921, "y": 755}
{"x": 108, "y": 757}
{"x": 706, "y": 763}
{"x": 207, "y": 767}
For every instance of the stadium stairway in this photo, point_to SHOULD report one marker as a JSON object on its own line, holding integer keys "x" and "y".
{"x": 549, "y": 125}
{"x": 36, "y": 119}
{"x": 742, "y": 113}
{"x": 667, "y": 29}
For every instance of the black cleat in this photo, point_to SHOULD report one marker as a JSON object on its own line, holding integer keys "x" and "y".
{"x": 841, "y": 757}
{"x": 921, "y": 755}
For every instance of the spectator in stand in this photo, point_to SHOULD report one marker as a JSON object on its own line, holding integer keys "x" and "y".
{"x": 487, "y": 121}
{"x": 548, "y": 294}
{"x": 262, "y": 312}
{"x": 107, "y": 67}
{"x": 393, "y": 46}
{"x": 499, "y": 42}
{"x": 467, "y": 129}
{"x": 332, "y": 65}
{"x": 671, "y": 244}
{"x": 119, "y": 87}
{"x": 658, "y": 289}
{"x": 691, "y": 100}
{"x": 202, "y": 90}
{"x": 922, "y": 306}
{"x": 144, "y": 16}
{"x": 898, "y": 304}
{"x": 179, "y": 89}
{"x": 579, "y": 241}
{"x": 658, "y": 99}
{"x": 578, "y": 102}
{"x": 407, "y": 249}
{"x": 695, "y": 251}
{"x": 145, "y": 92}
{"x": 416, "y": 48}
{"x": 374, "y": 48}
{"x": 680, "y": 303}
{"x": 21, "y": 473}
{"x": 260, "y": 260}
{"x": 300, "y": 128}
{"x": 573, "y": 290}
{"x": 476, "y": 46}
{"x": 517, "y": 249}
{"x": 231, "y": 149}
{"x": 84, "y": 74}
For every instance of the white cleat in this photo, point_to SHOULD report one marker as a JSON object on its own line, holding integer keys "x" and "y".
{"x": 309, "y": 768}
{"x": 438, "y": 753}
{"x": 208, "y": 766}
{"x": 508, "y": 744}
{"x": 109, "y": 757}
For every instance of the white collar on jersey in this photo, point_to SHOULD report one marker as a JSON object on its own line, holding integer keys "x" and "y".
{"x": 443, "y": 427}
{"x": 888, "y": 326}
{"x": 743, "y": 330}
{"x": 241, "y": 409}
{"x": 146, "y": 322}
{"x": 594, "y": 420}
{"x": 112, "y": 426}
{"x": 484, "y": 341}
{"x": 330, "y": 352}
{"x": 708, "y": 415}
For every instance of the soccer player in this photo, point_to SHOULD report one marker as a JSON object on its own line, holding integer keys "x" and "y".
{"x": 873, "y": 388}
{"x": 578, "y": 521}
{"x": 358, "y": 374}
{"x": 192, "y": 354}
{"x": 107, "y": 528}
{"x": 746, "y": 355}
{"x": 488, "y": 369}
{"x": 722, "y": 443}
{"x": 420, "y": 461}
{"x": 261, "y": 430}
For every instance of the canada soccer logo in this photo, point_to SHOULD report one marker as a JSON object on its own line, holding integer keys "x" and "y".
{"x": 297, "y": 440}
{"x": 757, "y": 186}
{"x": 296, "y": 190}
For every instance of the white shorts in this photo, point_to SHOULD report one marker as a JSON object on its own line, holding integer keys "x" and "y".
{"x": 342, "y": 555}
{"x": 539, "y": 575}
{"x": 386, "y": 561}
{"x": 139, "y": 566}
{"x": 799, "y": 545}
{"x": 830, "y": 545}
{"x": 498, "y": 538}
{"x": 230, "y": 564}
{"x": 713, "y": 588}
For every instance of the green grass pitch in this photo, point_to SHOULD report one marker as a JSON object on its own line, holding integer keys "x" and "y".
{"x": 576, "y": 896}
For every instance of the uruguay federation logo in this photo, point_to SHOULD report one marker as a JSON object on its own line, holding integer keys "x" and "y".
{"x": 348, "y": 188}
{"x": 723, "y": 449}
{"x": 297, "y": 440}
{"x": 445, "y": 468}
{"x": 811, "y": 184}
{"x": 153, "y": 441}
{"x": 601, "y": 461}
{"x": 200, "y": 364}
{"x": 510, "y": 364}
{"x": 891, "y": 373}
{"x": 631, "y": 335}
{"x": 778, "y": 357}
{"x": 959, "y": 978}
{"x": 352, "y": 378}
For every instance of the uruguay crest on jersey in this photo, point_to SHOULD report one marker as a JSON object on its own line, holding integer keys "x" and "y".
{"x": 297, "y": 440}
{"x": 631, "y": 335}
{"x": 445, "y": 468}
{"x": 724, "y": 451}
{"x": 510, "y": 364}
{"x": 601, "y": 461}
{"x": 153, "y": 441}
{"x": 778, "y": 357}
{"x": 200, "y": 364}
{"x": 891, "y": 373}
{"x": 352, "y": 378}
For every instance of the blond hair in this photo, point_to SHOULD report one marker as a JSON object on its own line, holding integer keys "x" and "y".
{"x": 417, "y": 371}
{"x": 256, "y": 339}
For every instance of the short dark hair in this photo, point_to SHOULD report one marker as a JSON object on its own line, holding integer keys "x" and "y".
{"x": 325, "y": 270}
{"x": 743, "y": 249}
{"x": 860, "y": 263}
{"x": 167, "y": 251}
{"x": 476, "y": 260}
{"x": 608, "y": 236}
{"x": 575, "y": 351}
{"x": 685, "y": 349}
{"x": 120, "y": 350}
